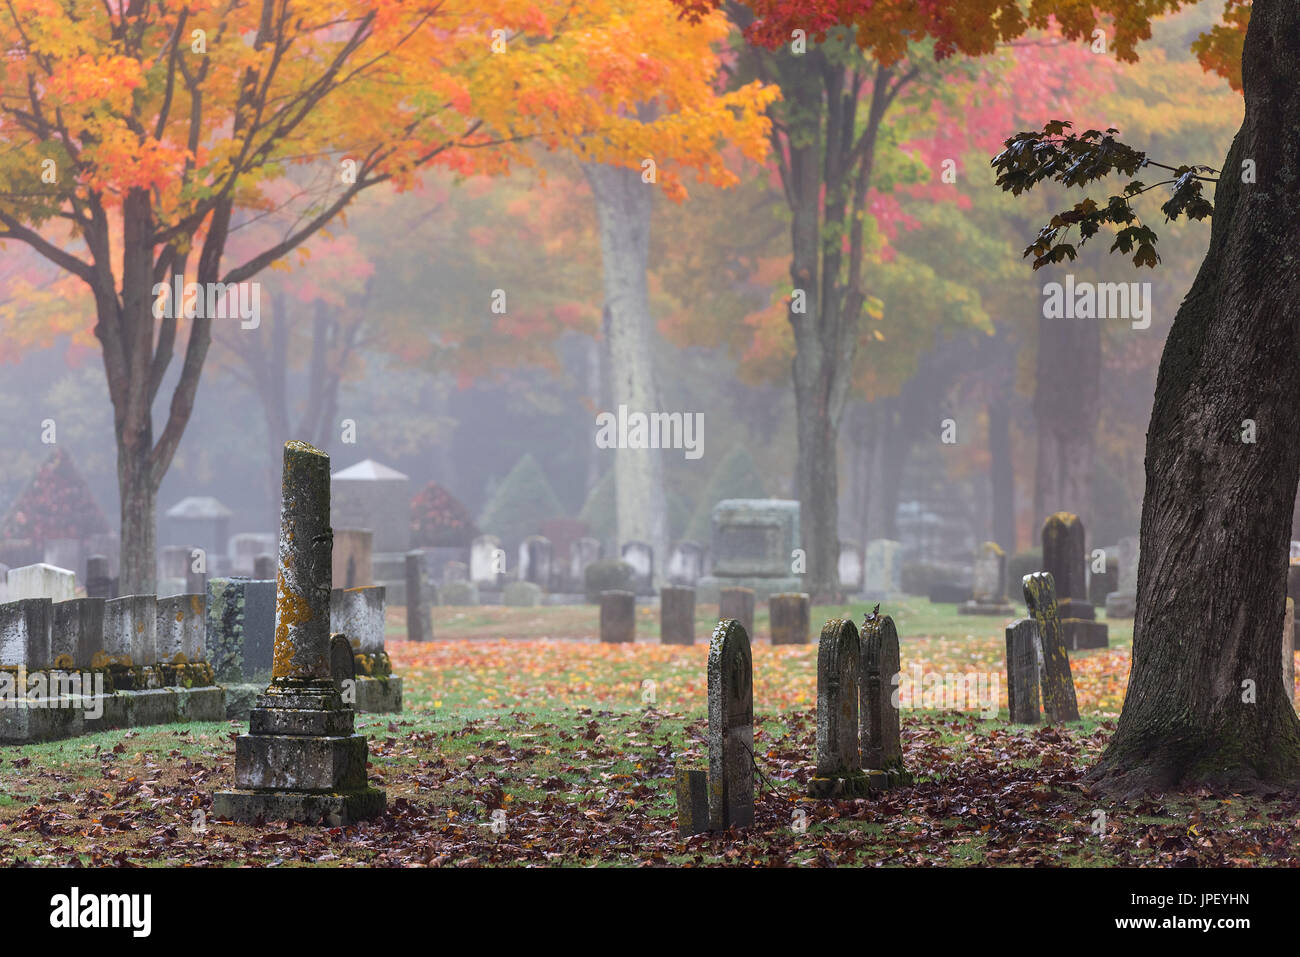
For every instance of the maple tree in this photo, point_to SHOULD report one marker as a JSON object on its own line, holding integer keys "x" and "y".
{"x": 140, "y": 136}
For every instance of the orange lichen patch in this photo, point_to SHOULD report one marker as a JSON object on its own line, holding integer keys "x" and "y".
{"x": 196, "y": 604}
{"x": 291, "y": 610}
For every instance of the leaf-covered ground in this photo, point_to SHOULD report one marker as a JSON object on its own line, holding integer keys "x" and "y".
{"x": 558, "y": 737}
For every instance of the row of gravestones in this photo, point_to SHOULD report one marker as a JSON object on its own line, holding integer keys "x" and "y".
{"x": 538, "y": 566}
{"x": 789, "y": 615}
{"x": 859, "y": 745}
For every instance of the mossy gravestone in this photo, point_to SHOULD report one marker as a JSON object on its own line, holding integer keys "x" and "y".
{"x": 882, "y": 747}
{"x": 788, "y": 615}
{"x": 1058, "y": 684}
{"x": 1023, "y": 654}
{"x": 838, "y": 668}
{"x": 731, "y": 728}
{"x": 617, "y": 617}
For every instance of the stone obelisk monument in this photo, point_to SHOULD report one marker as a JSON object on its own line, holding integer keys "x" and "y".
{"x": 301, "y": 760}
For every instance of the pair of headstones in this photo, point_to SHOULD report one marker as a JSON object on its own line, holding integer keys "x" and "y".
{"x": 859, "y": 747}
{"x": 788, "y": 614}
{"x": 1037, "y": 659}
{"x": 723, "y": 795}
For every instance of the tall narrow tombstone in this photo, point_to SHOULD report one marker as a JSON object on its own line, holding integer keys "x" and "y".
{"x": 737, "y": 603}
{"x": 1065, "y": 559}
{"x": 301, "y": 759}
{"x": 1022, "y": 671}
{"x": 1058, "y": 684}
{"x": 181, "y": 629}
{"x": 1288, "y": 650}
{"x": 838, "y": 674}
{"x": 617, "y": 617}
{"x": 1122, "y": 603}
{"x": 535, "y": 561}
{"x": 418, "y": 625}
{"x": 882, "y": 577}
{"x": 731, "y": 728}
{"x": 25, "y": 637}
{"x": 882, "y": 745}
{"x": 990, "y": 583}
{"x": 641, "y": 557}
{"x": 486, "y": 562}
{"x": 581, "y": 554}
{"x": 42, "y": 581}
{"x": 789, "y": 618}
{"x": 685, "y": 564}
{"x": 676, "y": 615}
{"x": 99, "y": 581}
{"x": 77, "y": 632}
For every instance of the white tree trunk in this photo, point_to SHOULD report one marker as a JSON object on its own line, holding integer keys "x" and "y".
{"x": 623, "y": 209}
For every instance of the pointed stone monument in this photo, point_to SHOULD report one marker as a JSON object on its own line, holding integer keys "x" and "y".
{"x": 301, "y": 759}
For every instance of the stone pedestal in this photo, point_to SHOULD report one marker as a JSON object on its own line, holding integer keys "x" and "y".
{"x": 617, "y": 617}
{"x": 301, "y": 759}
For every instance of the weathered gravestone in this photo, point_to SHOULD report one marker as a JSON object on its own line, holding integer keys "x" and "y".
{"x": 99, "y": 581}
{"x": 353, "y": 561}
{"x": 789, "y": 617}
{"x": 850, "y": 566}
{"x": 358, "y": 614}
{"x": 723, "y": 795}
{"x": 617, "y": 617}
{"x": 676, "y": 615}
{"x": 737, "y": 603}
{"x": 301, "y": 760}
{"x": 1057, "y": 682}
{"x": 1023, "y": 667}
{"x": 419, "y": 626}
{"x": 882, "y": 745}
{"x": 839, "y": 764}
{"x": 1122, "y": 603}
{"x": 536, "y": 556}
{"x": 77, "y": 632}
{"x": 582, "y": 553}
{"x": 240, "y": 635}
{"x": 42, "y": 581}
{"x": 990, "y": 583}
{"x": 731, "y": 728}
{"x": 752, "y": 546}
{"x": 181, "y": 629}
{"x": 487, "y": 562}
{"x": 685, "y": 564}
{"x": 641, "y": 558}
{"x": 1065, "y": 559}
{"x": 25, "y": 637}
{"x": 883, "y": 575}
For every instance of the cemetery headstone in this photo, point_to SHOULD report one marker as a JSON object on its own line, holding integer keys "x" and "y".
{"x": 535, "y": 561}
{"x": 181, "y": 629}
{"x": 1023, "y": 667}
{"x": 685, "y": 564}
{"x": 1122, "y": 603}
{"x": 1064, "y": 555}
{"x": 990, "y": 583}
{"x": 850, "y": 566}
{"x": 1057, "y": 683}
{"x": 582, "y": 553}
{"x": 41, "y": 581}
{"x": 838, "y": 676}
{"x": 789, "y": 616}
{"x": 358, "y": 613}
{"x": 240, "y": 628}
{"x": 264, "y": 567}
{"x": 737, "y": 603}
{"x": 353, "y": 561}
{"x": 641, "y": 558}
{"x": 731, "y": 728}
{"x": 419, "y": 627}
{"x": 883, "y": 574}
{"x": 25, "y": 636}
{"x": 752, "y": 546}
{"x": 676, "y": 615}
{"x": 131, "y": 637}
{"x": 882, "y": 746}
{"x": 486, "y": 562}
{"x": 77, "y": 632}
{"x": 343, "y": 663}
{"x": 301, "y": 759}
{"x": 99, "y": 582}
{"x": 692, "y": 790}
{"x": 617, "y": 617}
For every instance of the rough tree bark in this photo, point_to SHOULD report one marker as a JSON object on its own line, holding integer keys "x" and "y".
{"x": 1217, "y": 511}
{"x": 623, "y": 210}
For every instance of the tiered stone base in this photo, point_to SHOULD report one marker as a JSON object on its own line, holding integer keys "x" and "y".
{"x": 33, "y": 721}
{"x": 335, "y": 808}
{"x": 374, "y": 696}
{"x": 858, "y": 783}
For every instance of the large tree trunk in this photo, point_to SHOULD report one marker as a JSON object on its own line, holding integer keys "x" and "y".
{"x": 1217, "y": 511}
{"x": 1067, "y": 398}
{"x": 623, "y": 208}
